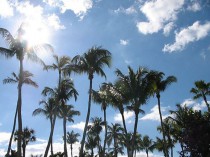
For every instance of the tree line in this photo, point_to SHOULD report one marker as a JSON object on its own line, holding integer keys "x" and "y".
{"x": 188, "y": 127}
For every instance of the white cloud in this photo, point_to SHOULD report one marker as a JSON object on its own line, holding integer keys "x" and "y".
{"x": 52, "y": 3}
{"x": 187, "y": 35}
{"x": 159, "y": 13}
{"x": 154, "y": 114}
{"x": 4, "y": 138}
{"x": 79, "y": 126}
{"x": 167, "y": 29}
{"x": 194, "y": 7}
{"x": 195, "y": 105}
{"x": 6, "y": 10}
{"x": 127, "y": 116}
{"x": 128, "y": 11}
{"x": 54, "y": 21}
{"x": 79, "y": 7}
{"x": 124, "y": 42}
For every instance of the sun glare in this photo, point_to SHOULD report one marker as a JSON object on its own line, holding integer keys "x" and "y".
{"x": 35, "y": 33}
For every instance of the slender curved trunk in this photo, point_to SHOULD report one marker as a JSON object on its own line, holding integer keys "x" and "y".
{"x": 163, "y": 130}
{"x": 19, "y": 105}
{"x": 134, "y": 132}
{"x": 125, "y": 129}
{"x": 64, "y": 137}
{"x": 13, "y": 131}
{"x": 105, "y": 136}
{"x": 115, "y": 147}
{"x": 147, "y": 153}
{"x": 50, "y": 138}
{"x": 24, "y": 149}
{"x": 92, "y": 153}
{"x": 81, "y": 154}
{"x": 51, "y": 143}
{"x": 71, "y": 151}
{"x": 207, "y": 104}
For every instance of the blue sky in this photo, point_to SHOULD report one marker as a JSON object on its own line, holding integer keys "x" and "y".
{"x": 171, "y": 36}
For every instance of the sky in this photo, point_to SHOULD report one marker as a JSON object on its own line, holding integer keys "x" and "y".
{"x": 172, "y": 36}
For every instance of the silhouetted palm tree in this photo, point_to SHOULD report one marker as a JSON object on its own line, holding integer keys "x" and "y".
{"x": 137, "y": 87}
{"x": 90, "y": 63}
{"x": 147, "y": 144}
{"x": 26, "y": 136}
{"x": 115, "y": 132}
{"x": 71, "y": 139}
{"x": 66, "y": 112}
{"x": 91, "y": 143}
{"x": 159, "y": 85}
{"x": 49, "y": 110}
{"x": 15, "y": 79}
{"x": 201, "y": 90}
{"x": 19, "y": 47}
{"x": 101, "y": 97}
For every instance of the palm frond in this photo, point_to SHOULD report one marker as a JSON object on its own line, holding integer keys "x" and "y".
{"x": 7, "y": 36}
{"x": 6, "y": 52}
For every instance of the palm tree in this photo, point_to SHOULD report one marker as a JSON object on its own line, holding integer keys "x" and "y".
{"x": 159, "y": 85}
{"x": 114, "y": 134}
{"x": 61, "y": 94}
{"x": 147, "y": 144}
{"x": 15, "y": 79}
{"x": 26, "y": 136}
{"x": 137, "y": 86}
{"x": 91, "y": 62}
{"x": 20, "y": 48}
{"x": 201, "y": 90}
{"x": 71, "y": 139}
{"x": 49, "y": 110}
{"x": 91, "y": 143}
{"x": 101, "y": 97}
{"x": 160, "y": 145}
{"x": 66, "y": 112}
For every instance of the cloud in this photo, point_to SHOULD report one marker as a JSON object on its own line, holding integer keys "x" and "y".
{"x": 188, "y": 35}
{"x": 124, "y": 42}
{"x": 4, "y": 139}
{"x": 167, "y": 29}
{"x": 127, "y": 116}
{"x": 195, "y": 6}
{"x": 54, "y": 21}
{"x": 79, "y": 126}
{"x": 143, "y": 154}
{"x": 6, "y": 10}
{"x": 154, "y": 114}
{"x": 158, "y": 13}
{"x": 195, "y": 105}
{"x": 79, "y": 7}
{"x": 128, "y": 11}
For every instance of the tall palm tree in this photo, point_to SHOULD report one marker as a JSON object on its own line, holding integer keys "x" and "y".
{"x": 115, "y": 132}
{"x": 19, "y": 47}
{"x": 201, "y": 90}
{"x": 94, "y": 130}
{"x": 66, "y": 112}
{"x": 28, "y": 135}
{"x": 147, "y": 144}
{"x": 91, "y": 143}
{"x": 101, "y": 97}
{"x": 159, "y": 84}
{"x": 91, "y": 62}
{"x": 61, "y": 95}
{"x": 15, "y": 79}
{"x": 137, "y": 85}
{"x": 49, "y": 110}
{"x": 72, "y": 138}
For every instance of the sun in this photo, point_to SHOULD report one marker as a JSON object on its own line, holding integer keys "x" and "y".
{"x": 35, "y": 33}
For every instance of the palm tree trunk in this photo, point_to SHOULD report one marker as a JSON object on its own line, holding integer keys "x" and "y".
{"x": 13, "y": 131}
{"x": 163, "y": 131}
{"x": 134, "y": 132}
{"x": 51, "y": 143}
{"x": 105, "y": 136}
{"x": 64, "y": 137}
{"x": 87, "y": 120}
{"x": 207, "y": 104}
{"x": 71, "y": 151}
{"x": 50, "y": 138}
{"x": 147, "y": 153}
{"x": 24, "y": 150}
{"x": 19, "y": 104}
{"x": 125, "y": 129}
